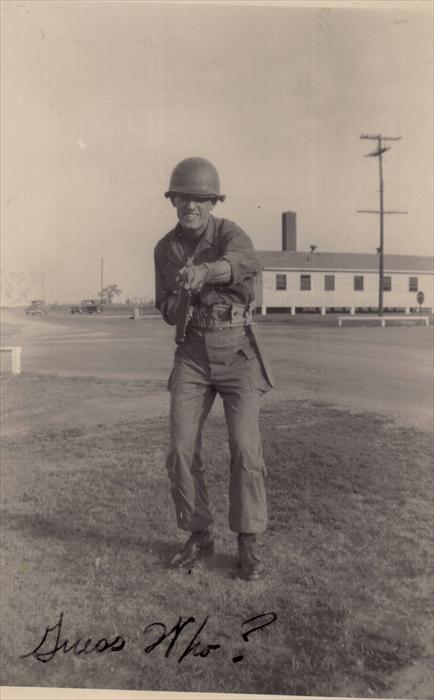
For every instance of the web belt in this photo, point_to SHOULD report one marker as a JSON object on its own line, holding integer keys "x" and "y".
{"x": 220, "y": 316}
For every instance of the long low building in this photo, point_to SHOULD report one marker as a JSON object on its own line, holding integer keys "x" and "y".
{"x": 293, "y": 280}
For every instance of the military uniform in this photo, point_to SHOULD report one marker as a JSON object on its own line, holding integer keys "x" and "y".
{"x": 218, "y": 356}
{"x": 205, "y": 272}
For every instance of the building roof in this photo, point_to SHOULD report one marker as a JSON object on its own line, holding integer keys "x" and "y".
{"x": 366, "y": 262}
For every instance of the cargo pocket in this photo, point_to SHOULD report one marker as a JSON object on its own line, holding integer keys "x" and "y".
{"x": 248, "y": 352}
{"x": 258, "y": 380}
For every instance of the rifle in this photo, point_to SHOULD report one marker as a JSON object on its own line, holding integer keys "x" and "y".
{"x": 183, "y": 316}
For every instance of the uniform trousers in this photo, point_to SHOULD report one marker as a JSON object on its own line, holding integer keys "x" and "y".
{"x": 194, "y": 384}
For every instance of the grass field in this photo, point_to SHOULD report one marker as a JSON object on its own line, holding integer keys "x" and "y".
{"x": 88, "y": 528}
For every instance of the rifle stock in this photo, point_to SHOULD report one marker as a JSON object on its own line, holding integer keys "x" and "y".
{"x": 183, "y": 316}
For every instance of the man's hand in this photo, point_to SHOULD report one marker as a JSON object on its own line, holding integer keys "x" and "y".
{"x": 192, "y": 277}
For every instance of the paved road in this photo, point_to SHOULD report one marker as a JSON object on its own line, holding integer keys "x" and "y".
{"x": 389, "y": 370}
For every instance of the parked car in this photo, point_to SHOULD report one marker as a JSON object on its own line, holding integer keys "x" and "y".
{"x": 87, "y": 306}
{"x": 36, "y": 308}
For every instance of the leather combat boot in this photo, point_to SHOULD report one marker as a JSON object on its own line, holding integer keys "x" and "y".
{"x": 199, "y": 545}
{"x": 250, "y": 564}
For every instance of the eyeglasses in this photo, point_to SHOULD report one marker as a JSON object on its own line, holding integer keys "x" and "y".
{"x": 198, "y": 199}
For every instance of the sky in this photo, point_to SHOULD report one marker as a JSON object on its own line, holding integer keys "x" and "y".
{"x": 100, "y": 100}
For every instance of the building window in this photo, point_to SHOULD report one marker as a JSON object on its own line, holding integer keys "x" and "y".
{"x": 280, "y": 281}
{"x": 387, "y": 284}
{"x": 329, "y": 283}
{"x": 358, "y": 283}
{"x": 305, "y": 283}
{"x": 412, "y": 284}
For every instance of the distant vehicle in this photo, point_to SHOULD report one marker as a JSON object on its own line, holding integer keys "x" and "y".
{"x": 87, "y": 306}
{"x": 37, "y": 308}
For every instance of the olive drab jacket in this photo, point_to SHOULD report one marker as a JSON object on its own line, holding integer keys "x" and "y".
{"x": 222, "y": 239}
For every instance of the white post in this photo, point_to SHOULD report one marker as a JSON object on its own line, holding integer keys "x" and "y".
{"x": 352, "y": 310}
{"x": 16, "y": 360}
{"x": 383, "y": 323}
{"x": 292, "y": 310}
{"x": 323, "y": 310}
{"x": 263, "y": 311}
{"x": 407, "y": 310}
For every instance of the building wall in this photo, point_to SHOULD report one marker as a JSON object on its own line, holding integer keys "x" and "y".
{"x": 344, "y": 294}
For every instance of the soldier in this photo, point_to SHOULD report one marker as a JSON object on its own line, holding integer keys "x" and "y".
{"x": 205, "y": 271}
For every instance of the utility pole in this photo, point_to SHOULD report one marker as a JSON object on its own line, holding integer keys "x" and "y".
{"x": 102, "y": 279}
{"x": 378, "y": 153}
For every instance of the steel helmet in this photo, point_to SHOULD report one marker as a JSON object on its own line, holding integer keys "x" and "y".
{"x": 196, "y": 176}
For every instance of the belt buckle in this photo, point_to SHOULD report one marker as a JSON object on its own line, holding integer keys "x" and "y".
{"x": 218, "y": 315}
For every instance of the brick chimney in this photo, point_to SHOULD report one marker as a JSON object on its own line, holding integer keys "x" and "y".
{"x": 289, "y": 230}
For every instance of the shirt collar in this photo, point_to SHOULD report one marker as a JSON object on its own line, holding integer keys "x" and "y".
{"x": 208, "y": 239}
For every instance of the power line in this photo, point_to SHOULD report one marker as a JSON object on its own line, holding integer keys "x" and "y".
{"x": 378, "y": 153}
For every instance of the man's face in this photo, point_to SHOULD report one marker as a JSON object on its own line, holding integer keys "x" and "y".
{"x": 193, "y": 212}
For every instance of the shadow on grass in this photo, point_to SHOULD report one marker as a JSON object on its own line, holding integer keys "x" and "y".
{"x": 42, "y": 528}
{"x": 38, "y": 527}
